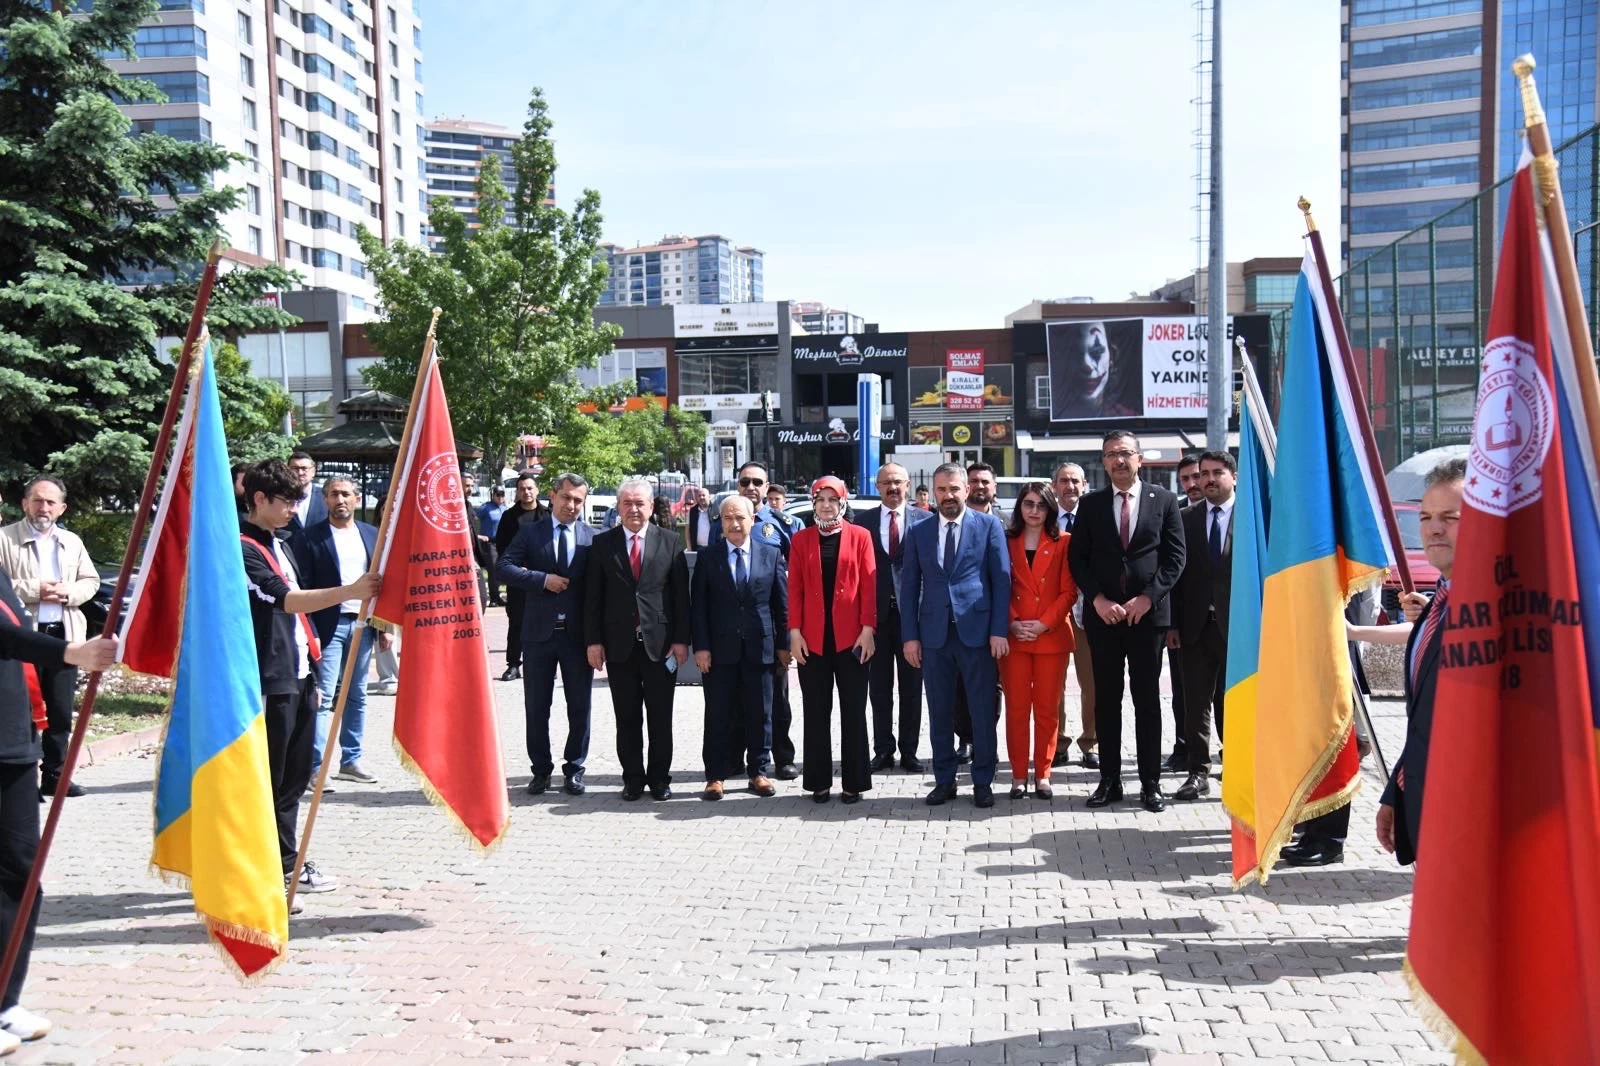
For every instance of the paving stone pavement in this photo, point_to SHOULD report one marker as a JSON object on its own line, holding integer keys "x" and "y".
{"x": 747, "y": 931}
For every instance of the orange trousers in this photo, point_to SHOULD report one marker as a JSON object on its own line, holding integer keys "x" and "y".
{"x": 1032, "y": 685}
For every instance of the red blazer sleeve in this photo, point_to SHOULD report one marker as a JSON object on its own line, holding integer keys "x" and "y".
{"x": 801, "y": 578}
{"x": 1054, "y": 614}
{"x": 868, "y": 563}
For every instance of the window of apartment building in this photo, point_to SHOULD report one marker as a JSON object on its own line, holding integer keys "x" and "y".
{"x": 352, "y": 120}
{"x": 324, "y": 104}
{"x": 1414, "y": 174}
{"x": 352, "y": 157}
{"x": 419, "y": 104}
{"x": 1380, "y": 12}
{"x": 399, "y": 190}
{"x": 400, "y": 223}
{"x": 416, "y": 40}
{"x": 319, "y": 179}
{"x": 179, "y": 129}
{"x": 1397, "y": 218}
{"x": 372, "y": 139}
{"x": 252, "y": 198}
{"x": 289, "y": 92}
{"x": 326, "y": 220}
{"x": 159, "y": 42}
{"x": 293, "y": 172}
{"x": 375, "y": 209}
{"x": 352, "y": 192}
{"x": 366, "y": 67}
{"x": 394, "y": 21}
{"x": 416, "y": 70}
{"x": 1421, "y": 89}
{"x": 322, "y": 142}
{"x": 422, "y": 137}
{"x": 253, "y": 152}
{"x": 347, "y": 8}
{"x": 394, "y": 122}
{"x": 321, "y": 257}
{"x": 179, "y": 87}
{"x": 252, "y": 240}
{"x": 394, "y": 54}
{"x": 358, "y": 268}
{"x": 249, "y": 113}
{"x": 247, "y": 70}
{"x": 399, "y": 160}
{"x": 394, "y": 87}
{"x": 349, "y": 83}
{"x": 244, "y": 28}
{"x": 315, "y": 64}
{"x": 1412, "y": 132}
{"x": 317, "y": 25}
{"x": 1416, "y": 47}
{"x": 372, "y": 174}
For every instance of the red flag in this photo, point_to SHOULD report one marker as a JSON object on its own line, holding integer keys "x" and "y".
{"x": 444, "y": 720}
{"x": 155, "y": 614}
{"x": 1505, "y": 923}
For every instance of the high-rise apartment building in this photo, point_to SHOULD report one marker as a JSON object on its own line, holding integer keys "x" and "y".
{"x": 682, "y": 270}
{"x": 456, "y": 151}
{"x": 324, "y": 100}
{"x": 815, "y": 317}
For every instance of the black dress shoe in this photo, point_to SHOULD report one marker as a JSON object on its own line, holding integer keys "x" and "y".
{"x": 963, "y": 753}
{"x": 1063, "y": 757}
{"x": 1177, "y": 762}
{"x": 1317, "y": 853}
{"x": 660, "y": 792}
{"x": 941, "y": 794}
{"x": 787, "y": 772}
{"x": 1193, "y": 787}
{"x": 849, "y": 797}
{"x": 574, "y": 784}
{"x": 47, "y": 787}
{"x": 538, "y": 784}
{"x": 1150, "y": 799}
{"x": 982, "y": 796}
{"x": 632, "y": 792}
{"x": 1104, "y": 793}
{"x": 1090, "y": 761}
{"x": 912, "y": 765}
{"x": 513, "y": 673}
{"x": 883, "y": 762}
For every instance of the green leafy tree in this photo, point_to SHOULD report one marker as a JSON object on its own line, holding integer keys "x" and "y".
{"x": 252, "y": 410}
{"x": 88, "y": 214}
{"x": 605, "y": 447}
{"x": 517, "y": 297}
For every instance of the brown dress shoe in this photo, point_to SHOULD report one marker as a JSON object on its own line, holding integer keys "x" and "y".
{"x": 763, "y": 786}
{"x": 713, "y": 791}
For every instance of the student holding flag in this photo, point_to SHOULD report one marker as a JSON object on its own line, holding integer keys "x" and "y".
{"x": 286, "y": 648}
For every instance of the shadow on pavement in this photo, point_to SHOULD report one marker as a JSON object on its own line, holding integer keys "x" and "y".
{"x": 1060, "y": 932}
{"x": 1326, "y": 886}
{"x": 1125, "y": 853}
{"x": 192, "y": 932}
{"x": 1108, "y": 1044}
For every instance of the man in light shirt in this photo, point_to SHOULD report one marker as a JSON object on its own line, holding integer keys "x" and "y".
{"x": 54, "y": 577}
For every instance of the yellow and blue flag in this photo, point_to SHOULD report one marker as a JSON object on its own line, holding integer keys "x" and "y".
{"x": 1326, "y": 543}
{"x": 215, "y": 826}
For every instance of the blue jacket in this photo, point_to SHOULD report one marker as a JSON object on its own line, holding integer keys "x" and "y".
{"x": 318, "y": 561}
{"x": 734, "y": 625}
{"x": 889, "y": 565}
{"x": 532, "y": 555}
{"x": 975, "y": 591}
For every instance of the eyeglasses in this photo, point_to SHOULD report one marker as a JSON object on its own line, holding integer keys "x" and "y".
{"x": 747, "y": 482}
{"x": 1121, "y": 454}
{"x": 1033, "y": 505}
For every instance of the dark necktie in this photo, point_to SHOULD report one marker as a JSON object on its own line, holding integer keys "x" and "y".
{"x": 1216, "y": 535}
{"x": 561, "y": 549}
{"x": 1430, "y": 628}
{"x": 949, "y": 545}
{"x": 1068, "y": 520}
{"x": 741, "y": 576}
{"x": 1127, "y": 514}
{"x": 894, "y": 533}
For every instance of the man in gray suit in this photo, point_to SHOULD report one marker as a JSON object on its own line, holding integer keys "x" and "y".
{"x": 1200, "y": 615}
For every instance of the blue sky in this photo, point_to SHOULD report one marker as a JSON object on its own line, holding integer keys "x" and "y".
{"x": 928, "y": 165}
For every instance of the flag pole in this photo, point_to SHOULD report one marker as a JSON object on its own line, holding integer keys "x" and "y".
{"x": 360, "y": 625}
{"x": 1358, "y": 395}
{"x": 141, "y": 516}
{"x": 1560, "y": 231}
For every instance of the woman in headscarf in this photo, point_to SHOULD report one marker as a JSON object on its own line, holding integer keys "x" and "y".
{"x": 833, "y": 612}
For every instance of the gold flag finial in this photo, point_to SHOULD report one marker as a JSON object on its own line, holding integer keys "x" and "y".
{"x": 1532, "y": 110}
{"x": 1305, "y": 209}
{"x": 433, "y": 324}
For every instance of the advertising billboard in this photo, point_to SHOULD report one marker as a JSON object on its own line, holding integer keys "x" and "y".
{"x": 709, "y": 320}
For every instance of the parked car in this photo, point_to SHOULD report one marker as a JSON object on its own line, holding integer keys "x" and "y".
{"x": 1423, "y": 573}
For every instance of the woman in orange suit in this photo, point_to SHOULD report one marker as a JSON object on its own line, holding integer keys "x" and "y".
{"x": 1042, "y": 593}
{"x": 833, "y": 612}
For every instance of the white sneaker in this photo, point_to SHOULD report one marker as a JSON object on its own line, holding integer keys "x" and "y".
{"x": 314, "y": 880}
{"x": 389, "y": 688}
{"x": 295, "y": 905}
{"x": 8, "y": 1043}
{"x": 23, "y": 1024}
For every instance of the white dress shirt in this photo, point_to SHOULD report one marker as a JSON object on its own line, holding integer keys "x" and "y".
{"x": 733, "y": 559}
{"x": 1135, "y": 494}
{"x": 900, "y": 519}
{"x": 1223, "y": 519}
{"x": 944, "y": 524}
{"x": 570, "y": 536}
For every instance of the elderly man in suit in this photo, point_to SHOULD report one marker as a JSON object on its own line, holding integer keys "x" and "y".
{"x": 1400, "y": 808}
{"x": 889, "y": 523}
{"x": 54, "y": 577}
{"x": 636, "y": 626}
{"x": 1126, "y": 555}
{"x": 955, "y": 596}
{"x": 739, "y": 614}
{"x": 547, "y": 563}
{"x": 337, "y": 551}
{"x": 1200, "y": 615}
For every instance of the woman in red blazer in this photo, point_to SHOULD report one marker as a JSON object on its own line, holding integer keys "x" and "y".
{"x": 833, "y": 612}
{"x": 1042, "y": 594}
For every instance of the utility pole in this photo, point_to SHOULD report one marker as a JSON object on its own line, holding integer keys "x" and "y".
{"x": 1219, "y": 354}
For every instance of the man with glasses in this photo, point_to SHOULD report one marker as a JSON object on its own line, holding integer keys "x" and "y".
{"x": 1126, "y": 554}
{"x": 547, "y": 563}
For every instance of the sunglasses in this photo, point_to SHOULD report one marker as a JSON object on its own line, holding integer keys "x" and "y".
{"x": 747, "y": 482}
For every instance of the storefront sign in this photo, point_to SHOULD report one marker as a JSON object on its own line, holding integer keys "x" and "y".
{"x": 963, "y": 379}
{"x": 866, "y": 351}
{"x": 837, "y": 431}
{"x": 732, "y": 401}
{"x": 930, "y": 391}
{"x": 706, "y": 320}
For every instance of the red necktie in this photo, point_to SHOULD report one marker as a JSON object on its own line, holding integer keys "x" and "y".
{"x": 1430, "y": 626}
{"x": 894, "y": 533}
{"x": 633, "y": 556}
{"x": 1126, "y": 512}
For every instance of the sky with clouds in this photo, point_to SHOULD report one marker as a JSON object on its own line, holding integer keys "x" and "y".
{"x": 929, "y": 165}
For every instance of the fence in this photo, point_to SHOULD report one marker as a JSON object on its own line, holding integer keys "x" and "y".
{"x": 1417, "y": 308}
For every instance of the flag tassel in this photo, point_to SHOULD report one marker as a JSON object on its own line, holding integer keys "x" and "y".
{"x": 437, "y": 798}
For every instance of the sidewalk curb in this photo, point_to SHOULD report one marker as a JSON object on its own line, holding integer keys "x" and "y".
{"x": 121, "y": 744}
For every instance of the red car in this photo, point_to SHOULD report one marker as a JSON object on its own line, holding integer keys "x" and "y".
{"x": 1423, "y": 573}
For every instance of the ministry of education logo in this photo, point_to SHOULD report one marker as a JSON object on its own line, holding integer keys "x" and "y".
{"x": 1511, "y": 430}
{"x": 439, "y": 494}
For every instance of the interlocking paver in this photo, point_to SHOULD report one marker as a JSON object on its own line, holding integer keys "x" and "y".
{"x": 748, "y": 931}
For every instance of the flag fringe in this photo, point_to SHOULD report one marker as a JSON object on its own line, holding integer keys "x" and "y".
{"x": 1440, "y": 1022}
{"x": 216, "y": 928}
{"x": 1252, "y": 875}
{"x": 436, "y": 798}
{"x": 1299, "y": 808}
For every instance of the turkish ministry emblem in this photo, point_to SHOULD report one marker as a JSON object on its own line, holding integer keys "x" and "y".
{"x": 439, "y": 497}
{"x": 1511, "y": 430}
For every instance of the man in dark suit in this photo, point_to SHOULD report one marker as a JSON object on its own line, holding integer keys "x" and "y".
{"x": 526, "y": 508}
{"x": 1191, "y": 493}
{"x": 310, "y": 509}
{"x": 740, "y": 604}
{"x": 636, "y": 626}
{"x": 1400, "y": 809}
{"x": 1126, "y": 554}
{"x": 1200, "y": 615}
{"x": 547, "y": 563}
{"x": 337, "y": 551}
{"x": 955, "y": 596}
{"x": 889, "y": 524}
{"x": 699, "y": 524}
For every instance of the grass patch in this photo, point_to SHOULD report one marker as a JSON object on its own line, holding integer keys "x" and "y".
{"x": 125, "y": 712}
